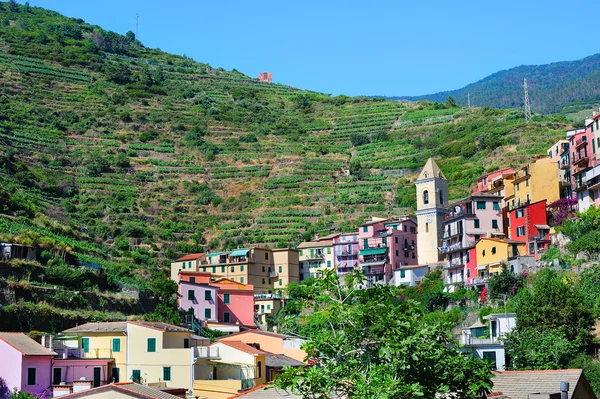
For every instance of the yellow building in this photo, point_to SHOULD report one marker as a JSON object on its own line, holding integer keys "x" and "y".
{"x": 492, "y": 253}
{"x": 147, "y": 352}
{"x": 237, "y": 366}
{"x": 266, "y": 269}
{"x": 534, "y": 182}
{"x": 188, "y": 262}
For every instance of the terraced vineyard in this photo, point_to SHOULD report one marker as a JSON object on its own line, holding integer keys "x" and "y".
{"x": 134, "y": 148}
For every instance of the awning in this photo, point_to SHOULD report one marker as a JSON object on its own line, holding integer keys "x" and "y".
{"x": 482, "y": 267}
{"x": 542, "y": 226}
{"x": 379, "y": 263}
{"x": 239, "y": 252}
{"x": 374, "y": 251}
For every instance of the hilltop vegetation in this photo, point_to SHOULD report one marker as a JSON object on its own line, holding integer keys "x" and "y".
{"x": 127, "y": 157}
{"x": 565, "y": 87}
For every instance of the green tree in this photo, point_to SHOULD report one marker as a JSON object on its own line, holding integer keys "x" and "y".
{"x": 358, "y": 139}
{"x": 531, "y": 349}
{"x": 450, "y": 102}
{"x": 584, "y": 232}
{"x": 372, "y": 344}
{"x": 506, "y": 283}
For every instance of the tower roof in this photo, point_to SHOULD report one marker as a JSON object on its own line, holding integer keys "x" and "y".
{"x": 431, "y": 170}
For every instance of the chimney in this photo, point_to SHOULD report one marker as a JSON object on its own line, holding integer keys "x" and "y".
{"x": 275, "y": 329}
{"x": 564, "y": 390}
{"x": 44, "y": 341}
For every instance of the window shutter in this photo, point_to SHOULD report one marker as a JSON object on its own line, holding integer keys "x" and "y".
{"x": 151, "y": 345}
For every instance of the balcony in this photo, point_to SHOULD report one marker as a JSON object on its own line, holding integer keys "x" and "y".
{"x": 346, "y": 265}
{"x": 580, "y": 186}
{"x": 273, "y": 274}
{"x": 454, "y": 263}
{"x": 470, "y": 340}
{"x": 382, "y": 233}
{"x": 268, "y": 296}
{"x": 580, "y": 159}
{"x": 315, "y": 256}
{"x": 564, "y": 164}
{"x": 449, "y": 233}
{"x": 371, "y": 272}
{"x": 206, "y": 352}
{"x": 79, "y": 353}
{"x": 580, "y": 142}
{"x": 565, "y": 182}
{"x": 347, "y": 252}
{"x": 468, "y": 243}
{"x": 479, "y": 281}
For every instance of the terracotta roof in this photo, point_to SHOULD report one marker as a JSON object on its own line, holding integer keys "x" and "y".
{"x": 25, "y": 345}
{"x": 268, "y": 392}
{"x": 519, "y": 384}
{"x": 126, "y": 388}
{"x": 190, "y": 257}
{"x": 121, "y": 326}
{"x": 241, "y": 346}
{"x": 315, "y": 244}
{"x": 266, "y": 333}
{"x": 500, "y": 240}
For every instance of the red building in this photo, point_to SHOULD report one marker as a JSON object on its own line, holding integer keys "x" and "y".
{"x": 235, "y": 302}
{"x": 529, "y": 224}
{"x": 266, "y": 77}
{"x": 471, "y": 267}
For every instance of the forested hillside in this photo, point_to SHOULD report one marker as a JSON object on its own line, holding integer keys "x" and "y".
{"x": 117, "y": 154}
{"x": 564, "y": 87}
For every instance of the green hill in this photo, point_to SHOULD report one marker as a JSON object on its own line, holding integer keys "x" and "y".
{"x": 115, "y": 154}
{"x": 565, "y": 87}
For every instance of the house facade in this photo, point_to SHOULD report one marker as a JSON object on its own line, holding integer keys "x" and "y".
{"x": 315, "y": 257}
{"x": 346, "y": 252}
{"x": 271, "y": 342}
{"x": 410, "y": 275}
{"x": 529, "y": 224}
{"x": 186, "y": 263}
{"x": 235, "y": 302}
{"x": 25, "y": 364}
{"x": 485, "y": 340}
{"x": 492, "y": 253}
{"x": 201, "y": 298}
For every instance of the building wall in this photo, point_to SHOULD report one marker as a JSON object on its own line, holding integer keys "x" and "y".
{"x": 471, "y": 266}
{"x": 100, "y": 346}
{"x": 313, "y": 265}
{"x": 411, "y": 276}
{"x": 43, "y": 366}
{"x": 240, "y": 307}
{"x": 199, "y": 304}
{"x": 346, "y": 253}
{"x": 151, "y": 364}
{"x": 503, "y": 251}
{"x": 188, "y": 265}
{"x": 532, "y": 214}
{"x": 11, "y": 367}
{"x": 268, "y": 343}
{"x": 556, "y": 149}
{"x": 286, "y": 264}
{"x": 75, "y": 369}
{"x": 479, "y": 350}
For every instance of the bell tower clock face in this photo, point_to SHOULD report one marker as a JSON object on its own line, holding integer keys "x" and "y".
{"x": 429, "y": 219}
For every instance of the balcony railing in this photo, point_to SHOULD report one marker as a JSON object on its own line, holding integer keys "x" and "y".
{"x": 580, "y": 142}
{"x": 370, "y": 271}
{"x": 273, "y": 274}
{"x": 470, "y": 340}
{"x": 564, "y": 164}
{"x": 346, "y": 265}
{"x": 347, "y": 252}
{"x": 206, "y": 352}
{"x": 268, "y": 296}
{"x": 452, "y": 232}
{"x": 73, "y": 353}
{"x": 454, "y": 263}
{"x": 382, "y": 233}
{"x": 580, "y": 159}
{"x": 316, "y": 255}
{"x": 468, "y": 243}
{"x": 480, "y": 280}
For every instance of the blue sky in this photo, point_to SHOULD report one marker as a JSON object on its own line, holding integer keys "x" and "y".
{"x": 377, "y": 47}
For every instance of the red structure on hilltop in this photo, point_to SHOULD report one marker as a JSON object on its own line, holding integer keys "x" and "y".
{"x": 266, "y": 77}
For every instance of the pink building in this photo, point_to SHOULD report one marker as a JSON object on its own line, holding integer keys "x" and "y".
{"x": 493, "y": 183}
{"x": 266, "y": 77}
{"x": 24, "y": 364}
{"x": 235, "y": 302}
{"x": 71, "y": 371}
{"x": 581, "y": 147}
{"x": 201, "y": 298}
{"x": 555, "y": 151}
{"x": 469, "y": 220}
{"x": 386, "y": 244}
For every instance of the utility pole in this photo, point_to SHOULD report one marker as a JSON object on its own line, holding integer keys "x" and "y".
{"x": 469, "y": 100}
{"x": 527, "y": 105}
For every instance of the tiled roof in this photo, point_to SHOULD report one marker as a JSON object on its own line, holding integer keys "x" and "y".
{"x": 431, "y": 170}
{"x": 315, "y": 244}
{"x": 126, "y": 388}
{"x": 25, "y": 345}
{"x": 241, "y": 346}
{"x": 121, "y": 326}
{"x": 268, "y": 392}
{"x": 189, "y": 257}
{"x": 266, "y": 333}
{"x": 273, "y": 360}
{"x": 519, "y": 384}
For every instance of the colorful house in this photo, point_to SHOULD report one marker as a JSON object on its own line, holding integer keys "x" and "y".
{"x": 265, "y": 269}
{"x": 467, "y": 221}
{"x": 410, "y": 275}
{"x": 187, "y": 263}
{"x": 529, "y": 224}
{"x": 492, "y": 253}
{"x": 315, "y": 257}
{"x": 124, "y": 390}
{"x": 148, "y": 352}
{"x": 557, "y": 149}
{"x": 271, "y": 342}
{"x": 582, "y": 147}
{"x": 485, "y": 340}
{"x": 201, "y": 298}
{"x": 25, "y": 364}
{"x": 493, "y": 183}
{"x": 240, "y": 366}
{"x": 267, "y": 305}
{"x": 235, "y": 302}
{"x": 535, "y": 182}
{"x": 345, "y": 249}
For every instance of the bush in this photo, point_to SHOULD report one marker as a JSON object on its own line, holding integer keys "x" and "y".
{"x": 358, "y": 139}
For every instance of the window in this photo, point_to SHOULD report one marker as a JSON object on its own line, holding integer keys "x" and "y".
{"x": 136, "y": 376}
{"x": 365, "y": 229}
{"x": 490, "y": 357}
{"x": 520, "y": 231}
{"x": 232, "y": 269}
{"x": 242, "y": 268}
{"x": 441, "y": 197}
{"x": 31, "y": 371}
{"x": 222, "y": 269}
{"x": 480, "y": 204}
{"x": 266, "y": 256}
{"x": 226, "y": 317}
{"x": 496, "y": 206}
{"x": 476, "y": 221}
{"x": 483, "y": 253}
{"x": 328, "y": 251}
{"x": 193, "y": 280}
{"x": 268, "y": 307}
{"x": 166, "y": 373}
{"x": 402, "y": 273}
{"x": 226, "y": 299}
{"x": 493, "y": 250}
{"x": 207, "y": 313}
{"x": 207, "y": 296}
{"x": 328, "y": 263}
{"x": 116, "y": 345}
{"x": 426, "y": 227}
{"x": 426, "y": 197}
{"x": 396, "y": 240}
{"x": 406, "y": 254}
{"x": 186, "y": 342}
{"x": 280, "y": 282}
{"x": 300, "y": 253}
{"x": 280, "y": 269}
{"x": 214, "y": 269}
{"x": 477, "y": 237}
{"x": 494, "y": 224}
{"x": 191, "y": 296}
{"x": 517, "y": 187}
{"x": 519, "y": 213}
{"x": 85, "y": 344}
{"x": 263, "y": 281}
{"x": 397, "y": 253}
{"x": 259, "y": 365}
{"x": 527, "y": 183}
{"x": 151, "y": 345}
{"x": 204, "y": 269}
{"x": 242, "y": 280}
{"x": 263, "y": 268}
{"x": 366, "y": 243}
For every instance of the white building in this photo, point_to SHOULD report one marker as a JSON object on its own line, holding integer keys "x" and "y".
{"x": 485, "y": 340}
{"x": 410, "y": 275}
